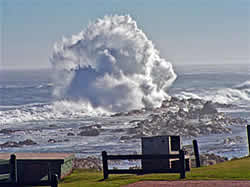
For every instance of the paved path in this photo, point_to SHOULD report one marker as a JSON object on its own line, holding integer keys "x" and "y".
{"x": 191, "y": 183}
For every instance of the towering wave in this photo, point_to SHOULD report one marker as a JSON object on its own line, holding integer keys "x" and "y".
{"x": 111, "y": 65}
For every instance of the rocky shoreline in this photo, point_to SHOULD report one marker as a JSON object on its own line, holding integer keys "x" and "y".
{"x": 183, "y": 117}
{"x": 96, "y": 163}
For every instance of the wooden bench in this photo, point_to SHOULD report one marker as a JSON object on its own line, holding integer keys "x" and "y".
{"x": 8, "y": 175}
{"x": 107, "y": 171}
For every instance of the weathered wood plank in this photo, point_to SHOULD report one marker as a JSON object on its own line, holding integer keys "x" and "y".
{"x": 4, "y": 162}
{"x": 138, "y": 157}
{"x": 4, "y": 169}
{"x": 180, "y": 157}
{"x": 4, "y": 177}
{"x": 141, "y": 171}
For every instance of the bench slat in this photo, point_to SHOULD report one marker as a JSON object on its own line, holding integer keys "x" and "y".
{"x": 4, "y": 177}
{"x": 4, "y": 162}
{"x": 138, "y": 157}
{"x": 4, "y": 169}
{"x": 138, "y": 171}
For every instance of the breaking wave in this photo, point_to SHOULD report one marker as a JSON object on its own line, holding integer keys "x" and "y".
{"x": 236, "y": 95}
{"x": 57, "y": 110}
{"x": 244, "y": 85}
{"x": 111, "y": 65}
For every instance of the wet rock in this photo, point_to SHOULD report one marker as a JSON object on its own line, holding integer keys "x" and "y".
{"x": 135, "y": 112}
{"x": 52, "y": 141}
{"x": 8, "y": 131}
{"x": 10, "y": 144}
{"x": 27, "y": 142}
{"x": 70, "y": 134}
{"x": 208, "y": 109}
{"x": 53, "y": 126}
{"x": 222, "y": 105}
{"x": 64, "y": 140}
{"x": 96, "y": 126}
{"x": 17, "y": 144}
{"x": 196, "y": 102}
{"x": 134, "y": 121}
{"x": 125, "y": 138}
{"x": 118, "y": 114}
{"x": 117, "y": 130}
{"x": 89, "y": 132}
{"x": 184, "y": 117}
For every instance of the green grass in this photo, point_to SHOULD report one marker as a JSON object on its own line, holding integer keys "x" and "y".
{"x": 231, "y": 170}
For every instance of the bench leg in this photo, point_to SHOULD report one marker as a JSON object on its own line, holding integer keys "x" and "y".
{"x": 182, "y": 165}
{"x": 54, "y": 180}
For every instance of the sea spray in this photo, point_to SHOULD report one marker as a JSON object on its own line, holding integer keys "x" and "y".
{"x": 111, "y": 65}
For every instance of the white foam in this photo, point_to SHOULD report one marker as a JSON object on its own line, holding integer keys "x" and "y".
{"x": 236, "y": 95}
{"x": 111, "y": 65}
{"x": 41, "y": 112}
{"x": 244, "y": 85}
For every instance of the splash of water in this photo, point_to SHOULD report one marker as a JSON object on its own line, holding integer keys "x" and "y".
{"x": 111, "y": 65}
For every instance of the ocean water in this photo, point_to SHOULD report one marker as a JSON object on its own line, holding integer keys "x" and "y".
{"x": 28, "y": 105}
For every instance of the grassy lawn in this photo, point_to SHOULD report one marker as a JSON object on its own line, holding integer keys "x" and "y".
{"x": 231, "y": 170}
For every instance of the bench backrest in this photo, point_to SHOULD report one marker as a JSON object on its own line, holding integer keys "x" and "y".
{"x": 107, "y": 171}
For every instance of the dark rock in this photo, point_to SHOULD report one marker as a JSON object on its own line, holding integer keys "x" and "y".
{"x": 8, "y": 131}
{"x": 184, "y": 117}
{"x": 53, "y": 126}
{"x": 65, "y": 140}
{"x": 10, "y": 144}
{"x": 51, "y": 141}
{"x": 70, "y": 134}
{"x": 126, "y": 138}
{"x": 96, "y": 126}
{"x": 118, "y": 114}
{"x": 27, "y": 142}
{"x": 194, "y": 101}
{"x": 117, "y": 130}
{"x": 134, "y": 121}
{"x": 89, "y": 132}
{"x": 208, "y": 109}
{"x": 17, "y": 144}
{"x": 182, "y": 113}
{"x": 134, "y": 112}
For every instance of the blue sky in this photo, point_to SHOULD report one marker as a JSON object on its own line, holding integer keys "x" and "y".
{"x": 185, "y": 32}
